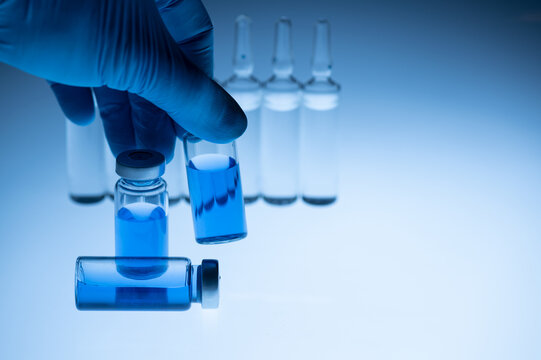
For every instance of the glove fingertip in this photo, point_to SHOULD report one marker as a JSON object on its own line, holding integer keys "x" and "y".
{"x": 232, "y": 122}
{"x": 76, "y": 103}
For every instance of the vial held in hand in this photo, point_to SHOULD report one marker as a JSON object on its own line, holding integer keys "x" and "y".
{"x": 215, "y": 191}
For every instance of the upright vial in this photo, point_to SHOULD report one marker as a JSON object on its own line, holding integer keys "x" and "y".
{"x": 85, "y": 162}
{"x": 280, "y": 124}
{"x": 149, "y": 284}
{"x": 141, "y": 205}
{"x": 247, "y": 91}
{"x": 215, "y": 191}
{"x": 319, "y": 125}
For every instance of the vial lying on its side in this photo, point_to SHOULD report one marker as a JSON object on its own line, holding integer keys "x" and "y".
{"x": 103, "y": 283}
{"x": 141, "y": 205}
{"x": 319, "y": 125}
{"x": 246, "y": 90}
{"x": 215, "y": 191}
{"x": 85, "y": 162}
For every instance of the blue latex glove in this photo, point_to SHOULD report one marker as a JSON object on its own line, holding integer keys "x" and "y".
{"x": 128, "y": 51}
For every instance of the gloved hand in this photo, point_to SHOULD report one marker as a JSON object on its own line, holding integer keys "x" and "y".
{"x": 128, "y": 51}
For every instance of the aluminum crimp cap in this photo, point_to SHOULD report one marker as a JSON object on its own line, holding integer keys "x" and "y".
{"x": 140, "y": 164}
{"x": 210, "y": 284}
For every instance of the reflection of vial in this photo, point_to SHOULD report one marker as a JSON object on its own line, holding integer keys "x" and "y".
{"x": 280, "y": 124}
{"x": 246, "y": 90}
{"x": 85, "y": 162}
{"x": 319, "y": 123}
{"x": 100, "y": 286}
{"x": 141, "y": 204}
{"x": 215, "y": 191}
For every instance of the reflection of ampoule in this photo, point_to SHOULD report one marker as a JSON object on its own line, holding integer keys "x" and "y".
{"x": 280, "y": 124}
{"x": 175, "y": 175}
{"x": 246, "y": 90}
{"x": 85, "y": 163}
{"x": 319, "y": 124}
{"x": 110, "y": 175}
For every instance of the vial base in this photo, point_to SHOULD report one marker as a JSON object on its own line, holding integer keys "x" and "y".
{"x": 221, "y": 239}
{"x": 250, "y": 199}
{"x": 175, "y": 200}
{"x": 280, "y": 200}
{"x": 319, "y": 200}
{"x": 86, "y": 199}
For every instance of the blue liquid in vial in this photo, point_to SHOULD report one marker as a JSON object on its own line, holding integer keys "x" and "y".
{"x": 216, "y": 197}
{"x": 141, "y": 230}
{"x": 102, "y": 288}
{"x": 98, "y": 297}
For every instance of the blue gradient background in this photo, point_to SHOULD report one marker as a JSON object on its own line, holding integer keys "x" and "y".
{"x": 432, "y": 251}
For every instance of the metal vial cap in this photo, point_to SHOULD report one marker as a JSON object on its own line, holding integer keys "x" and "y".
{"x": 140, "y": 164}
{"x": 210, "y": 284}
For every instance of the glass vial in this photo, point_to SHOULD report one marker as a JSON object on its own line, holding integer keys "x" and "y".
{"x": 319, "y": 125}
{"x": 141, "y": 205}
{"x": 280, "y": 124}
{"x": 85, "y": 162}
{"x": 215, "y": 191}
{"x": 247, "y": 91}
{"x": 104, "y": 283}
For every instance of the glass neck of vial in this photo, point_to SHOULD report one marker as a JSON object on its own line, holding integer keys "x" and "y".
{"x": 195, "y": 277}
{"x": 282, "y": 61}
{"x": 141, "y": 184}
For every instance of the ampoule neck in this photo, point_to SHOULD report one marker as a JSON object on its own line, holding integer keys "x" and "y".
{"x": 282, "y": 83}
{"x": 243, "y": 84}
{"x": 321, "y": 84}
{"x": 282, "y": 62}
{"x": 321, "y": 56}
{"x": 243, "y": 65}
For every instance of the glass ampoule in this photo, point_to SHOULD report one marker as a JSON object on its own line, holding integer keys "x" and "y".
{"x": 215, "y": 191}
{"x": 280, "y": 124}
{"x": 247, "y": 91}
{"x": 145, "y": 283}
{"x": 85, "y": 161}
{"x": 141, "y": 205}
{"x": 319, "y": 125}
